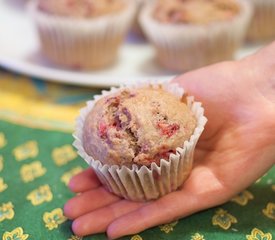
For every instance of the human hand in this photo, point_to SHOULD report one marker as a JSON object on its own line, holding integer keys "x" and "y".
{"x": 236, "y": 148}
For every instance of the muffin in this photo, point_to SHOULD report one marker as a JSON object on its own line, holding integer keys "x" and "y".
{"x": 189, "y": 34}
{"x": 138, "y": 126}
{"x": 262, "y": 25}
{"x": 82, "y": 34}
{"x": 140, "y": 139}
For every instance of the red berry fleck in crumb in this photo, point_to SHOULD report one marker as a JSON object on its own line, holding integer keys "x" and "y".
{"x": 116, "y": 123}
{"x": 102, "y": 130}
{"x": 113, "y": 101}
{"x": 165, "y": 154}
{"x": 168, "y": 129}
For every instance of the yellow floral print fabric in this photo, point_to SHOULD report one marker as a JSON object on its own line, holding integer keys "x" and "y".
{"x": 31, "y": 171}
{"x": 3, "y": 185}
{"x": 197, "y": 236}
{"x": 54, "y": 218}
{"x": 6, "y": 211}
{"x": 15, "y": 234}
{"x": 243, "y": 198}
{"x": 40, "y": 195}
{"x": 257, "y": 234}
{"x": 63, "y": 155}
{"x": 2, "y": 140}
{"x": 73, "y": 237}
{"x": 269, "y": 211}
{"x": 223, "y": 219}
{"x": 167, "y": 228}
{"x": 1, "y": 163}
{"x": 65, "y": 178}
{"x": 136, "y": 237}
{"x": 37, "y": 161}
{"x": 26, "y": 150}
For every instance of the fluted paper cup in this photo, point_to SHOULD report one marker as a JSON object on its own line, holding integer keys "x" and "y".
{"x": 145, "y": 183}
{"x": 82, "y": 44}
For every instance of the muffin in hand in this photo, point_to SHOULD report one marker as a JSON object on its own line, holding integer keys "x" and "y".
{"x": 82, "y": 34}
{"x": 189, "y": 34}
{"x": 140, "y": 139}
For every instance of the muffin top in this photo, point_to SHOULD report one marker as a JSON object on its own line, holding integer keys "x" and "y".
{"x": 137, "y": 126}
{"x": 81, "y": 8}
{"x": 195, "y": 11}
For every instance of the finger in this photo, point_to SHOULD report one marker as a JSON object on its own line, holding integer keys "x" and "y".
{"x": 84, "y": 181}
{"x": 98, "y": 220}
{"x": 194, "y": 197}
{"x": 191, "y": 79}
{"x": 156, "y": 213}
{"x": 88, "y": 201}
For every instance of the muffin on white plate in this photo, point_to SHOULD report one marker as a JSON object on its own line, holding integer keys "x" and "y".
{"x": 189, "y": 34}
{"x": 82, "y": 34}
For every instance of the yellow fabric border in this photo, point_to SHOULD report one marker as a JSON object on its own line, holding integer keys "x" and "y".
{"x": 22, "y": 103}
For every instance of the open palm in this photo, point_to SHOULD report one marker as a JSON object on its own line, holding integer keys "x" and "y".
{"x": 235, "y": 149}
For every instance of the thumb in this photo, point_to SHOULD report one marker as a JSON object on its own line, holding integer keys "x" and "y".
{"x": 190, "y": 82}
{"x": 206, "y": 83}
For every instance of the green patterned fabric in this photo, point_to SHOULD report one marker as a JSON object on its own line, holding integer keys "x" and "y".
{"x": 33, "y": 168}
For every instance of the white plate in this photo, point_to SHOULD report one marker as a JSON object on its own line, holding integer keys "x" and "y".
{"x": 19, "y": 51}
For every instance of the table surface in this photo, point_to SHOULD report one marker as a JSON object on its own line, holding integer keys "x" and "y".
{"x": 37, "y": 161}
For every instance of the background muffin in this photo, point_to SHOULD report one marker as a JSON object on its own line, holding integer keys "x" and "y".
{"x": 194, "y": 33}
{"x": 82, "y": 34}
{"x": 139, "y": 168}
{"x": 262, "y": 27}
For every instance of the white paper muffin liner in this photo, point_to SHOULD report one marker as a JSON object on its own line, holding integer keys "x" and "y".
{"x": 183, "y": 47}
{"x": 262, "y": 27}
{"x": 89, "y": 43}
{"x": 145, "y": 183}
